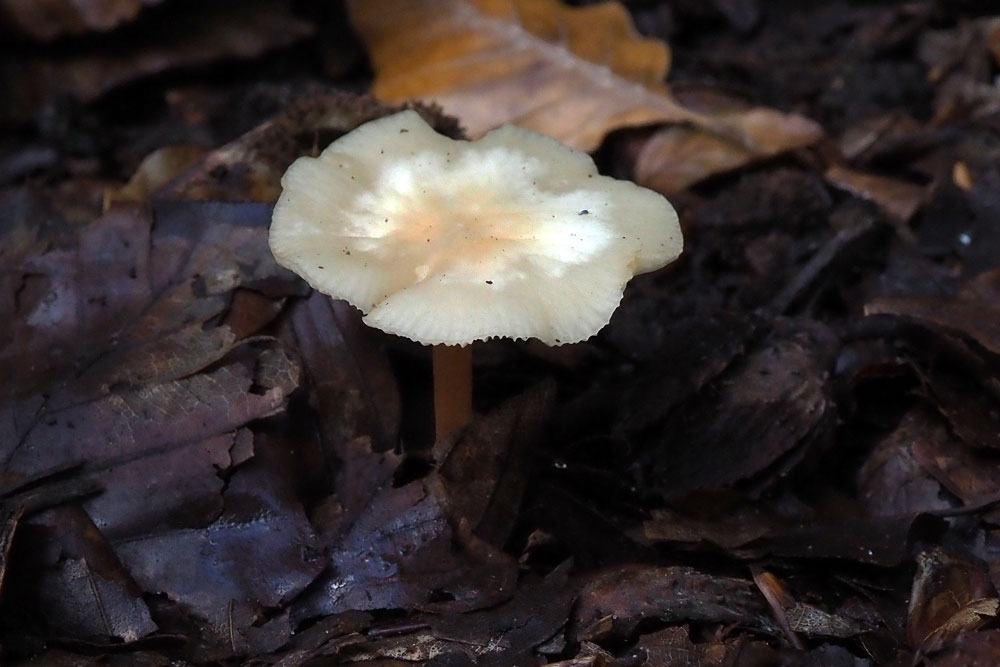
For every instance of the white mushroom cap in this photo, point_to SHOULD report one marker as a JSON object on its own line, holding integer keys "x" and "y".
{"x": 447, "y": 242}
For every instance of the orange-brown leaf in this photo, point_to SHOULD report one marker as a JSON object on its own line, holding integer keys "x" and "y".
{"x": 676, "y": 156}
{"x": 574, "y": 74}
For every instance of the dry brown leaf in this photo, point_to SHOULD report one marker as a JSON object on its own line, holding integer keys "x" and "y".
{"x": 574, "y": 74}
{"x": 973, "y": 313}
{"x": 677, "y": 157}
{"x": 897, "y": 199}
{"x": 951, "y": 593}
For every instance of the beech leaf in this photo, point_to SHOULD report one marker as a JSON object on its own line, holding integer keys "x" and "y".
{"x": 575, "y": 74}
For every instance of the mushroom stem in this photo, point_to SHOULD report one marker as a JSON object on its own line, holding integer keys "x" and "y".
{"x": 452, "y": 388}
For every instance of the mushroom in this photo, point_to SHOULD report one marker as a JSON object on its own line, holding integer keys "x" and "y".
{"x": 446, "y": 242}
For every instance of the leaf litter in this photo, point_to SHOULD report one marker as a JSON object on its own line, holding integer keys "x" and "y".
{"x": 781, "y": 451}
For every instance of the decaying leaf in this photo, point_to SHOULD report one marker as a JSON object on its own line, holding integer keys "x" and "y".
{"x": 898, "y": 199}
{"x": 508, "y": 633}
{"x": 798, "y": 617}
{"x": 157, "y": 169}
{"x": 229, "y": 575}
{"x": 121, "y": 366}
{"x": 87, "y": 590}
{"x": 251, "y": 166}
{"x": 893, "y": 481}
{"x": 775, "y": 398}
{"x": 204, "y": 463}
{"x": 672, "y": 647}
{"x": 951, "y": 594}
{"x": 968, "y": 648}
{"x": 483, "y": 477}
{"x": 400, "y": 551}
{"x": 614, "y": 602}
{"x": 352, "y": 384}
{"x": 680, "y": 156}
{"x": 974, "y": 312}
{"x": 754, "y": 533}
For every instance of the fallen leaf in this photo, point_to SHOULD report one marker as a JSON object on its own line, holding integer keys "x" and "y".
{"x": 157, "y": 169}
{"x": 351, "y": 382}
{"x": 794, "y": 616}
{"x": 950, "y": 594}
{"x": 677, "y": 157}
{"x": 124, "y": 370}
{"x": 898, "y": 199}
{"x": 968, "y": 648}
{"x": 974, "y": 312}
{"x": 880, "y": 540}
{"x": 771, "y": 402}
{"x": 478, "y": 59}
{"x": 587, "y": 70}
{"x": 129, "y": 303}
{"x": 615, "y": 601}
{"x": 510, "y": 632}
{"x": 893, "y": 481}
{"x": 672, "y": 647}
{"x": 483, "y": 476}
{"x": 966, "y": 473}
{"x": 86, "y": 591}
{"x": 250, "y": 167}
{"x": 229, "y": 576}
{"x": 401, "y": 552}
{"x": 958, "y": 61}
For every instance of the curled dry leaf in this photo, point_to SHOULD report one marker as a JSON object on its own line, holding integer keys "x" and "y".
{"x": 897, "y": 199}
{"x": 574, "y": 74}
{"x": 587, "y": 70}
{"x": 680, "y": 156}
{"x": 973, "y": 313}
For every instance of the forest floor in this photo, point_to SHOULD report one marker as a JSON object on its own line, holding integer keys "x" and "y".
{"x": 784, "y": 449}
